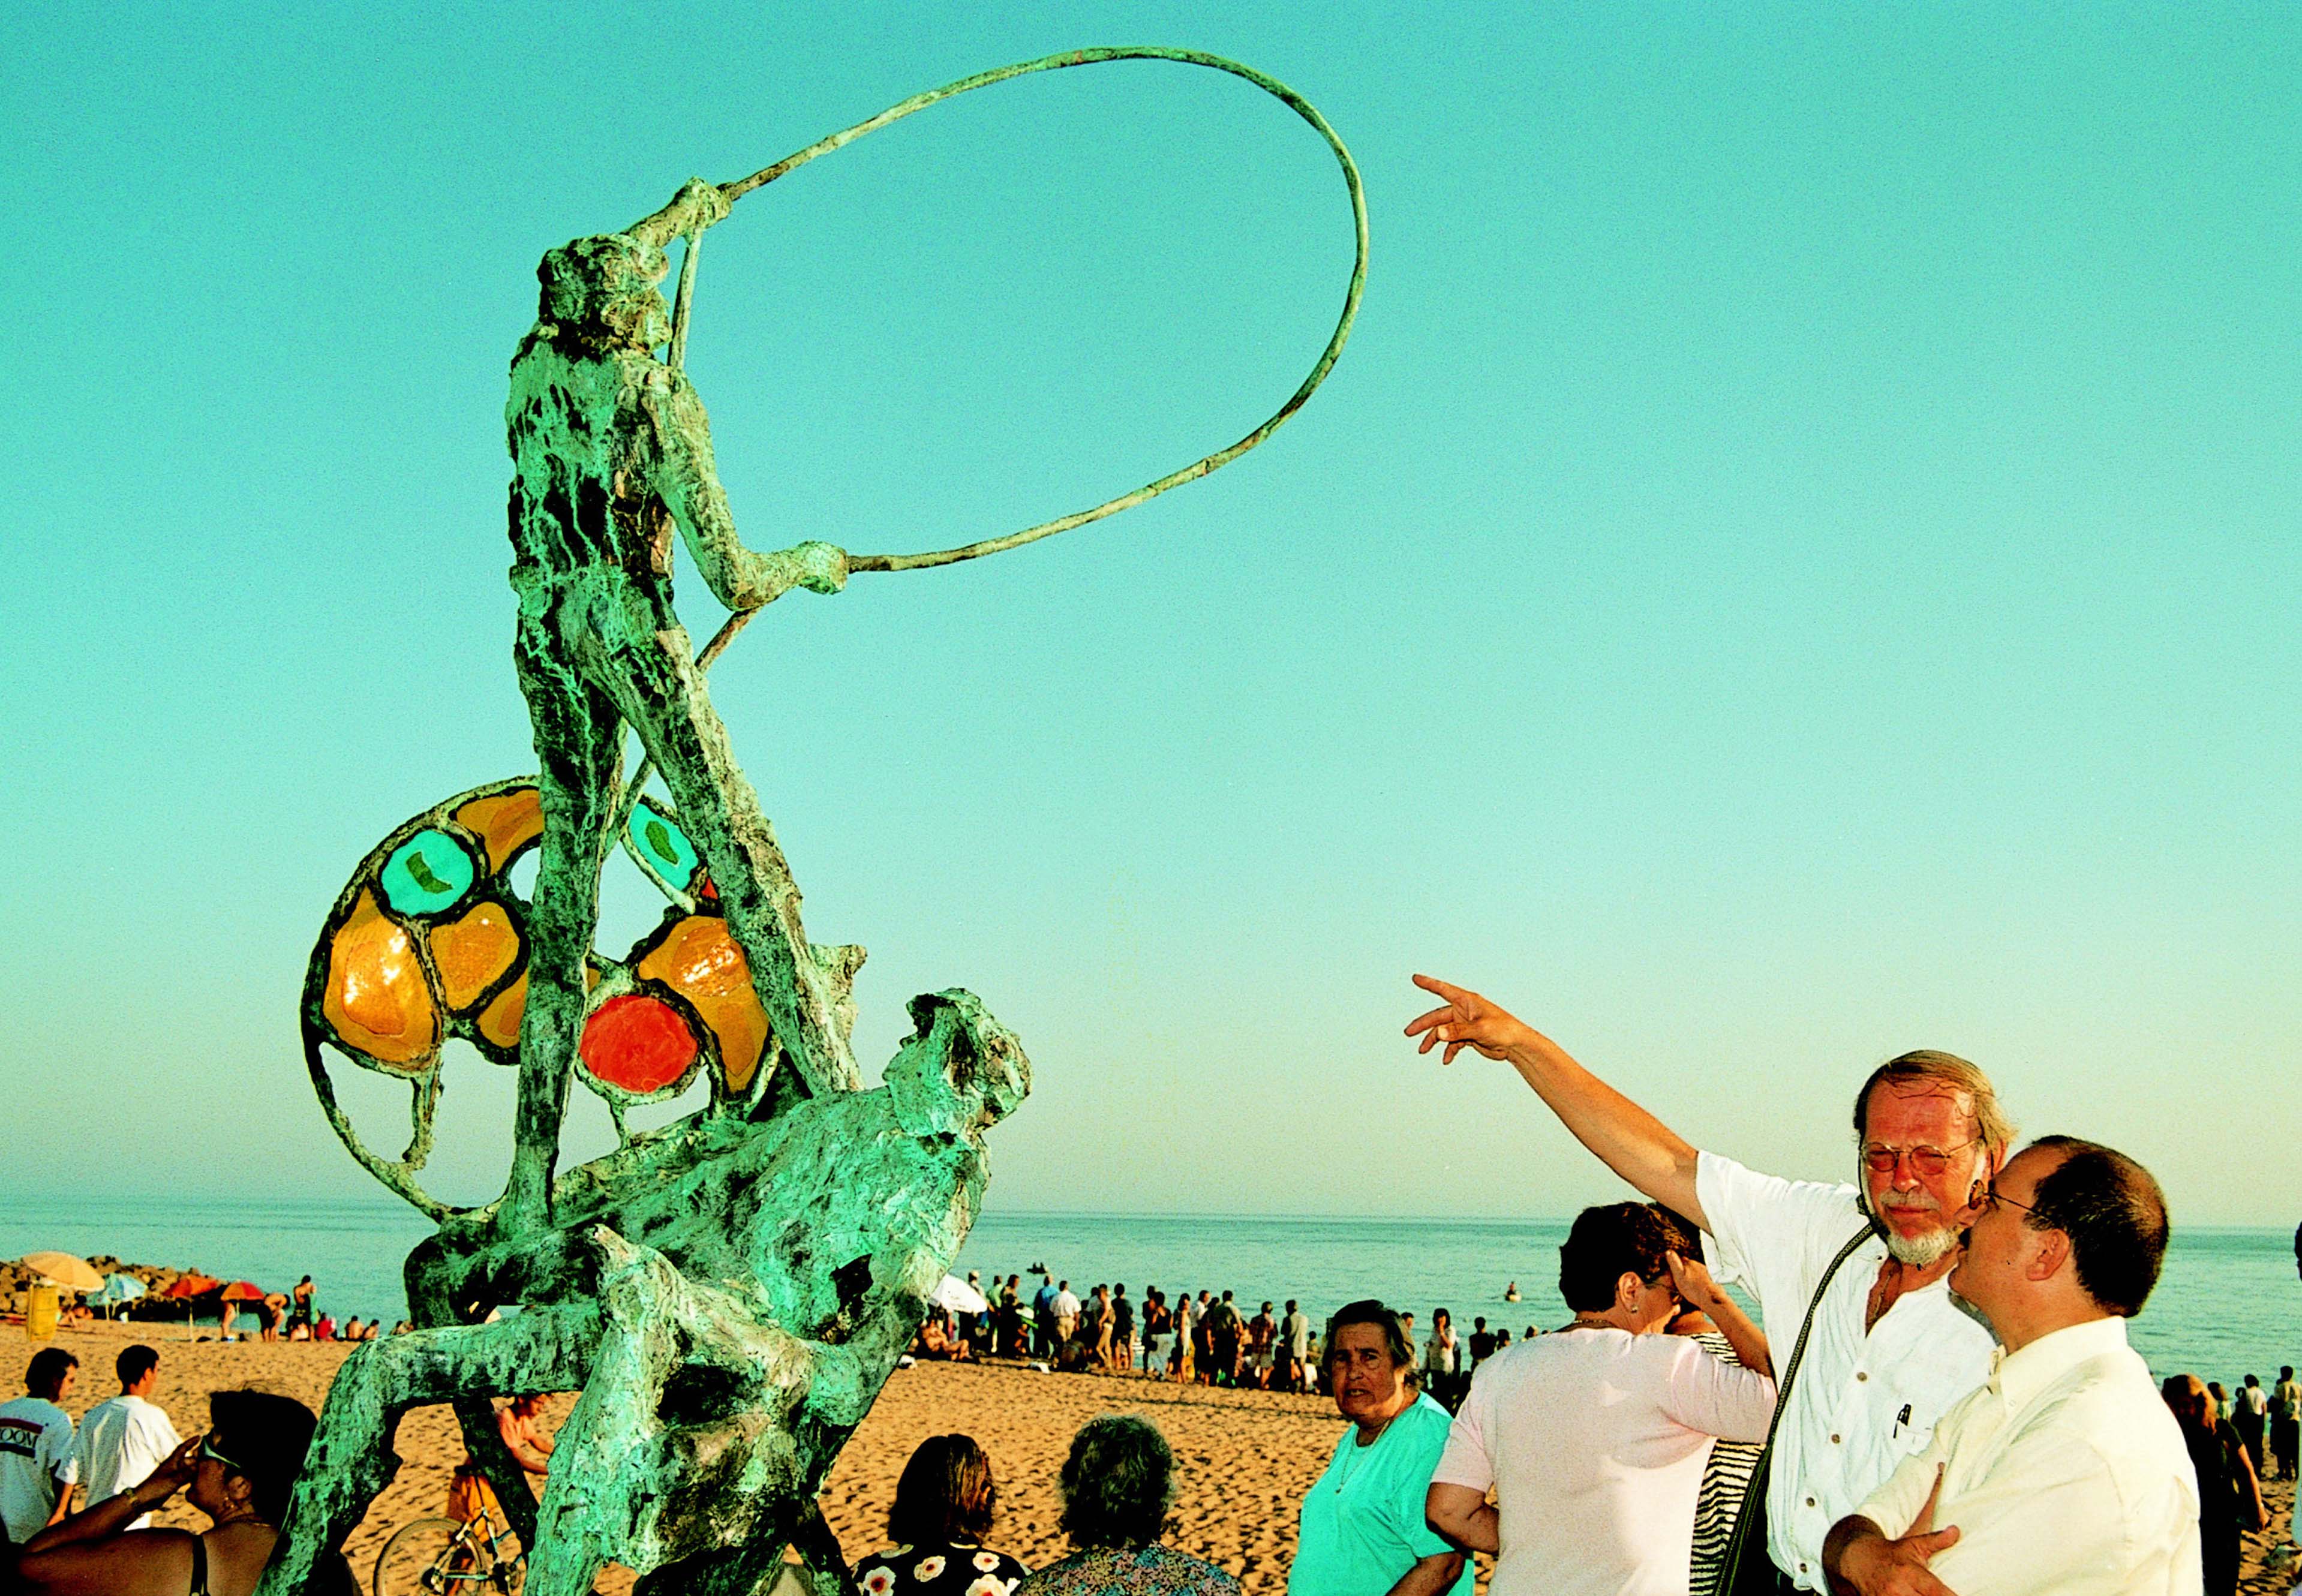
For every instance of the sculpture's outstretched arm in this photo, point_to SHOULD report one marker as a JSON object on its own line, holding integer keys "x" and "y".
{"x": 687, "y": 478}
{"x": 351, "y": 1459}
{"x": 697, "y": 206}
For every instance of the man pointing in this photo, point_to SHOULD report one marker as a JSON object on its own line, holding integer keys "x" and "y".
{"x": 1860, "y": 1269}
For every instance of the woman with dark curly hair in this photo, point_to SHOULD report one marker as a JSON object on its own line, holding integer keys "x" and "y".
{"x": 1118, "y": 1484}
{"x": 240, "y": 1473}
{"x": 943, "y": 1506}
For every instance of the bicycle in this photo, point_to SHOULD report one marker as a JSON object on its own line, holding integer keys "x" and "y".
{"x": 447, "y": 1557}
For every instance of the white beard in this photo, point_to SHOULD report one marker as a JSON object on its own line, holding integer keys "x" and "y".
{"x": 1915, "y": 1252}
{"x": 1922, "y": 1252}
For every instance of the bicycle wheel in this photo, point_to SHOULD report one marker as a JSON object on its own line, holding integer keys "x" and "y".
{"x": 429, "y": 1558}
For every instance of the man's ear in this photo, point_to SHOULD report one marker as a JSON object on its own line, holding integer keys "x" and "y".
{"x": 1627, "y": 1289}
{"x": 2054, "y": 1252}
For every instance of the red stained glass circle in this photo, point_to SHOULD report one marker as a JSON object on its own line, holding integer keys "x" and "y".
{"x": 637, "y": 1044}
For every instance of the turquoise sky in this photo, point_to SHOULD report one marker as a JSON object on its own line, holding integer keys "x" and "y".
{"x": 1799, "y": 561}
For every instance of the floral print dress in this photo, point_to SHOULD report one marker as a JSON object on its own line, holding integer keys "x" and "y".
{"x": 1146, "y": 1571}
{"x": 941, "y": 1569}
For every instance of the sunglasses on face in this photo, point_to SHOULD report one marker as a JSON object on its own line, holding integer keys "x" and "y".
{"x": 208, "y": 1450}
{"x": 1925, "y": 1161}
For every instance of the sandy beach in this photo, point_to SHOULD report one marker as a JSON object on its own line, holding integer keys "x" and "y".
{"x": 1246, "y": 1457}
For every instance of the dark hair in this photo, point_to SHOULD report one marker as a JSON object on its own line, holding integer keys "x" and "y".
{"x": 1118, "y": 1483}
{"x": 1607, "y": 1243}
{"x": 2114, "y": 1214}
{"x": 946, "y": 1493}
{"x": 1689, "y": 1242}
{"x": 47, "y": 1366}
{"x": 265, "y": 1436}
{"x": 1368, "y": 1310}
{"x": 134, "y": 1363}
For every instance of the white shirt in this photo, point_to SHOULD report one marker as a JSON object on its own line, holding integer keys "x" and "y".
{"x": 1593, "y": 1441}
{"x": 1861, "y": 1402}
{"x": 1065, "y": 1306}
{"x": 1438, "y": 1355}
{"x": 36, "y": 1464}
{"x": 2064, "y": 1473}
{"x": 120, "y": 1443}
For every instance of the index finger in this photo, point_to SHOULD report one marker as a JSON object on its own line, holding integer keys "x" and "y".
{"x": 1432, "y": 983}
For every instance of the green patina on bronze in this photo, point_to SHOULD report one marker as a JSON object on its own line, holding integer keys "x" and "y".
{"x": 729, "y": 1293}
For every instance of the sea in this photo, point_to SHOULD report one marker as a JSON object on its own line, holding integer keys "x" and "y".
{"x": 2228, "y": 1305}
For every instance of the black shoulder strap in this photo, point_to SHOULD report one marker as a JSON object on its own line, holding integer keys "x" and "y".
{"x": 199, "y": 1586}
{"x": 1754, "y": 1499}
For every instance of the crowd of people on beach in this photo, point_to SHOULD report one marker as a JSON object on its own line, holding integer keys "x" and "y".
{"x": 1937, "y": 1396}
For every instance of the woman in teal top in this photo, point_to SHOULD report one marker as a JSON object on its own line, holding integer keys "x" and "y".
{"x": 1361, "y": 1530}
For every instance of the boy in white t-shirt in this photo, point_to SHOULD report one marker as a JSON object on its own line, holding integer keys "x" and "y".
{"x": 37, "y": 1466}
{"x": 123, "y": 1441}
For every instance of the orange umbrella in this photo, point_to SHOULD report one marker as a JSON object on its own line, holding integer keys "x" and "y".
{"x": 243, "y": 1291}
{"x": 192, "y": 1285}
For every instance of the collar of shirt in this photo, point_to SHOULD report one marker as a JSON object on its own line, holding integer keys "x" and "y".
{"x": 2019, "y": 1376}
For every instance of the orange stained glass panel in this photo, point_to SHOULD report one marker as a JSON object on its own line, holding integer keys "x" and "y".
{"x": 508, "y": 822}
{"x": 376, "y": 998}
{"x": 637, "y": 1043}
{"x": 471, "y": 952}
{"x": 699, "y": 960}
{"x": 500, "y": 1021}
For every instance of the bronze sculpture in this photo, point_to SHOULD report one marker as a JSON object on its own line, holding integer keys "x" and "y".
{"x": 728, "y": 1293}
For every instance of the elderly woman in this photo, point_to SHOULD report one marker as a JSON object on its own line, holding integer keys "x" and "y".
{"x": 1361, "y": 1530}
{"x": 1118, "y": 1484}
{"x": 944, "y": 1504}
{"x": 239, "y": 1473}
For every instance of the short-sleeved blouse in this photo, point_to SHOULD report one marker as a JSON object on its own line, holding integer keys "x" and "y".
{"x": 941, "y": 1568}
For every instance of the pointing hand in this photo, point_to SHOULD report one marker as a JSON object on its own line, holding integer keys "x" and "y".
{"x": 1468, "y": 1020}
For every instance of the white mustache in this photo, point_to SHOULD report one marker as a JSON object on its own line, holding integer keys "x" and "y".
{"x": 1916, "y": 1200}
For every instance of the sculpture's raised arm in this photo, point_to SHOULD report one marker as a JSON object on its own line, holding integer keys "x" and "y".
{"x": 687, "y": 481}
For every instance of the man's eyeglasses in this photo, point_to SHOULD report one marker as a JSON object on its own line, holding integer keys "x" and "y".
{"x": 1993, "y": 1197}
{"x": 1925, "y": 1161}
{"x": 208, "y": 1450}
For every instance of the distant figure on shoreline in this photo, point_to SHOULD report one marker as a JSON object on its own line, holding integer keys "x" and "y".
{"x": 1510, "y": 1293}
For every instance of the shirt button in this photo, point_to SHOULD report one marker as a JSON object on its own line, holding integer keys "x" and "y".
{"x": 1862, "y": 1374}
{"x": 1810, "y": 1501}
{"x": 1834, "y": 1440}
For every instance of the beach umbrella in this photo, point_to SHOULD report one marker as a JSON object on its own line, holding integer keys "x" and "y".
{"x": 119, "y": 1289}
{"x": 243, "y": 1291}
{"x": 73, "y": 1274}
{"x": 959, "y": 1297}
{"x": 192, "y": 1285}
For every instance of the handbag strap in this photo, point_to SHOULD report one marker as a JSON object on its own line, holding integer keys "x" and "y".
{"x": 1743, "y": 1520}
